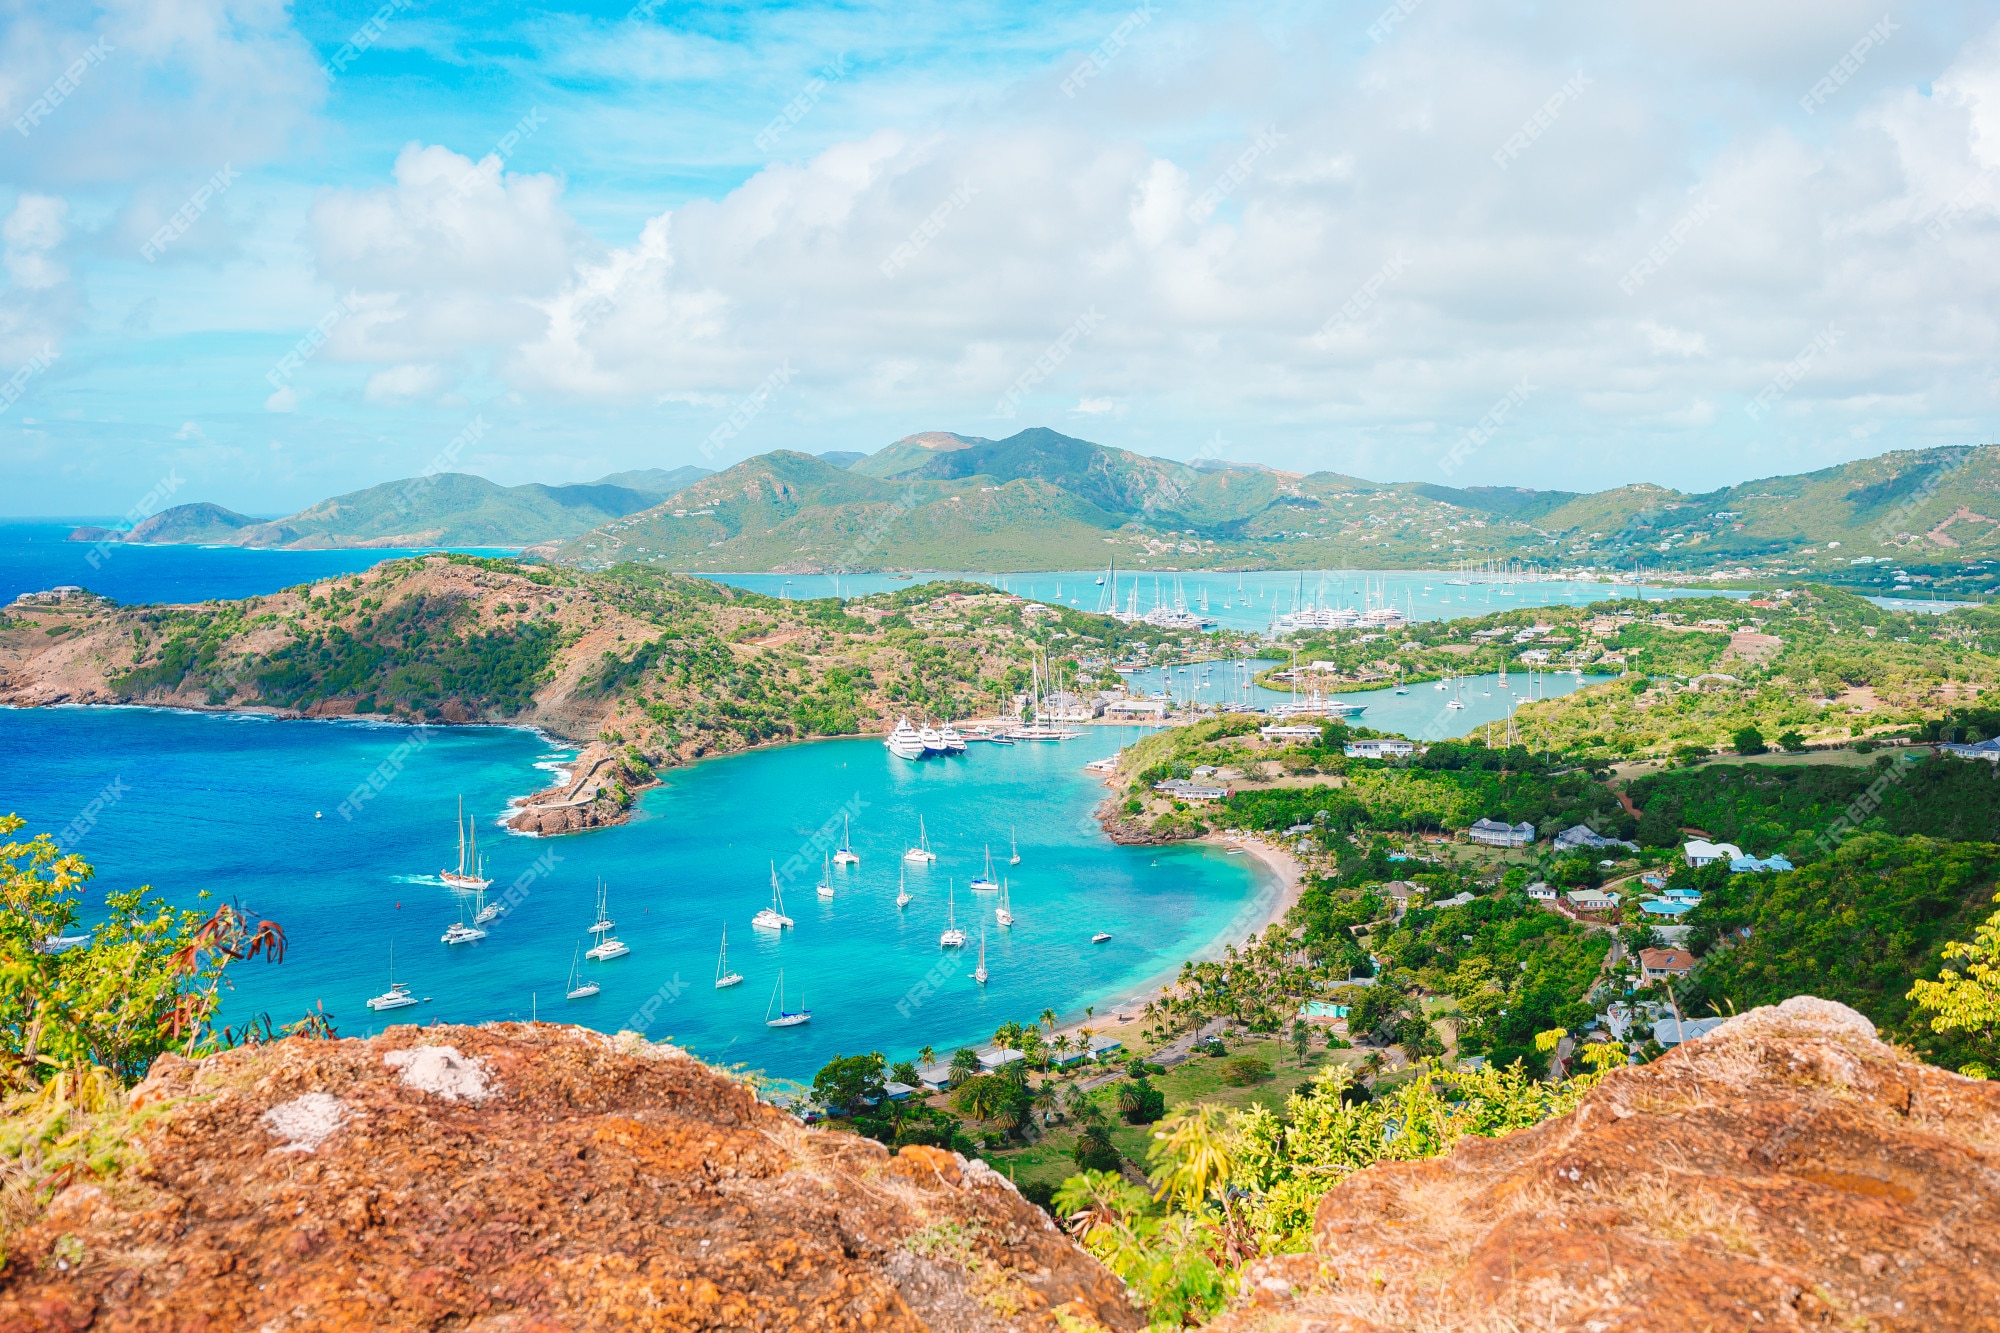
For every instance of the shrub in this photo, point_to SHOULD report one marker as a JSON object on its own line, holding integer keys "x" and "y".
{"x": 1750, "y": 741}
{"x": 1141, "y": 1103}
{"x": 1245, "y": 1070}
{"x": 1094, "y": 1151}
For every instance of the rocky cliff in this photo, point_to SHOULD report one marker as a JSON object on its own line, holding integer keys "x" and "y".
{"x": 1787, "y": 1171}
{"x": 525, "y": 1179}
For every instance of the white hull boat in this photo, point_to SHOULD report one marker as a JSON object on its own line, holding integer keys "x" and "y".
{"x": 469, "y": 874}
{"x": 786, "y": 1018}
{"x": 953, "y": 937}
{"x": 773, "y": 917}
{"x": 985, "y": 883}
{"x": 723, "y": 976}
{"x": 904, "y": 742}
{"x": 845, "y": 856}
{"x": 398, "y": 995}
{"x": 578, "y": 990}
{"x": 921, "y": 853}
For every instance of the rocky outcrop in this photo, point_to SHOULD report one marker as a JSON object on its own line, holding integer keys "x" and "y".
{"x": 596, "y": 793}
{"x": 1786, "y": 1171}
{"x": 526, "y": 1178}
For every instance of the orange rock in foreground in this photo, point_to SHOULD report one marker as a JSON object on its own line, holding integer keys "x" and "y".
{"x": 1787, "y": 1171}
{"x": 527, "y": 1179}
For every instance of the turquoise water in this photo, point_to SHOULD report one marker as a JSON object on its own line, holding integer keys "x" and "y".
{"x": 226, "y": 804}
{"x": 1423, "y": 714}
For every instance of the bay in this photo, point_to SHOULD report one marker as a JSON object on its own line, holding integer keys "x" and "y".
{"x": 201, "y": 802}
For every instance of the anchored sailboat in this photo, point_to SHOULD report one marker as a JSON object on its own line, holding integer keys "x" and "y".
{"x": 487, "y": 911}
{"x": 953, "y": 937}
{"x": 902, "y": 890}
{"x": 723, "y": 976}
{"x": 786, "y": 1018}
{"x": 772, "y": 917}
{"x": 922, "y": 851}
{"x": 1004, "y": 913}
{"x": 986, "y": 883}
{"x": 579, "y": 990}
{"x": 1013, "y": 849}
{"x": 845, "y": 856}
{"x": 469, "y": 874}
{"x": 979, "y": 973}
{"x": 608, "y": 945}
{"x": 460, "y": 933}
{"x": 826, "y": 878}
{"x": 398, "y": 994}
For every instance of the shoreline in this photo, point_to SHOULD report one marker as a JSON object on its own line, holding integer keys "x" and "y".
{"x": 1267, "y": 907}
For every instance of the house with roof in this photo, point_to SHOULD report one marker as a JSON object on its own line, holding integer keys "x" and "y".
{"x": 998, "y": 1057}
{"x": 1456, "y": 900}
{"x": 1750, "y": 865}
{"x": 1289, "y": 733}
{"x": 1700, "y": 852}
{"x": 1383, "y": 747}
{"x": 1154, "y": 710}
{"x": 1582, "y": 837}
{"x": 1542, "y": 892}
{"x": 1987, "y": 750}
{"x": 1492, "y": 833}
{"x": 1184, "y": 789}
{"x": 1666, "y": 907}
{"x": 935, "y": 1078}
{"x": 1591, "y": 900}
{"x": 1657, "y": 964}
{"x": 1671, "y": 1031}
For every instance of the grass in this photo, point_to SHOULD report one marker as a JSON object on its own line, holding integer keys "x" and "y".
{"x": 1200, "y": 1079}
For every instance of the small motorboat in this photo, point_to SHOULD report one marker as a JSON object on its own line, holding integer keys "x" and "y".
{"x": 1100, "y": 937}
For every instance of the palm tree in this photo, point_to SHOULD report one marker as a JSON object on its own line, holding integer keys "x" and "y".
{"x": 926, "y": 1055}
{"x": 1049, "y": 1019}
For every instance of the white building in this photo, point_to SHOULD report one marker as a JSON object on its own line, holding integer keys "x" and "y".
{"x": 1493, "y": 833}
{"x": 1700, "y": 852}
{"x": 1137, "y": 709}
{"x": 1386, "y": 747}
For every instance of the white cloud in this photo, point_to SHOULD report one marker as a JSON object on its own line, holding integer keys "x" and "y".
{"x": 31, "y": 233}
{"x": 403, "y": 384}
{"x": 286, "y": 399}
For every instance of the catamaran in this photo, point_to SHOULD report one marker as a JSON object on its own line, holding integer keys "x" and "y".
{"x": 1013, "y": 848}
{"x": 826, "y": 878}
{"x": 723, "y": 976}
{"x": 460, "y": 933}
{"x": 772, "y": 917}
{"x": 902, "y": 890}
{"x": 922, "y": 851}
{"x": 953, "y": 937}
{"x": 979, "y": 973}
{"x": 904, "y": 742}
{"x": 469, "y": 874}
{"x": 786, "y": 1018}
{"x": 579, "y": 990}
{"x": 845, "y": 856}
{"x": 985, "y": 883}
{"x": 398, "y": 995}
{"x": 1004, "y": 913}
{"x": 608, "y": 945}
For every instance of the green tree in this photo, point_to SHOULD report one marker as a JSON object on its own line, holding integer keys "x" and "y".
{"x": 964, "y": 1065}
{"x": 1965, "y": 1000}
{"x": 904, "y": 1072}
{"x": 1749, "y": 740}
{"x": 1301, "y": 1039}
{"x": 845, "y": 1083}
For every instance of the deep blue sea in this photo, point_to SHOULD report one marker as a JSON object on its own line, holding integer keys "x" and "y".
{"x": 227, "y": 805}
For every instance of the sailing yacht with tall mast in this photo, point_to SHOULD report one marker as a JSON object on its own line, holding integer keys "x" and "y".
{"x": 460, "y": 933}
{"x": 1004, "y": 913}
{"x": 469, "y": 874}
{"x": 845, "y": 856}
{"x": 608, "y": 945}
{"x": 921, "y": 853}
{"x": 1013, "y": 848}
{"x": 578, "y": 990}
{"x": 985, "y": 883}
{"x": 723, "y": 976}
{"x": 953, "y": 937}
{"x": 786, "y": 1018}
{"x": 398, "y": 995}
{"x": 979, "y": 973}
{"x": 773, "y": 917}
{"x": 826, "y": 878}
{"x": 902, "y": 889}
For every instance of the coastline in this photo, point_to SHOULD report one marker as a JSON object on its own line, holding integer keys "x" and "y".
{"x": 1267, "y": 907}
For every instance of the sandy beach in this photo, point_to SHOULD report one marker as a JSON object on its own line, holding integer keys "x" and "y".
{"x": 1123, "y": 1015}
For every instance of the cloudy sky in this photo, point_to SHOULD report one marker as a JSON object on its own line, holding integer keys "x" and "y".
{"x": 280, "y": 251}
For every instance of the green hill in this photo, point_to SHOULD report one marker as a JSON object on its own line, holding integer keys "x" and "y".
{"x": 656, "y": 480}
{"x": 200, "y": 524}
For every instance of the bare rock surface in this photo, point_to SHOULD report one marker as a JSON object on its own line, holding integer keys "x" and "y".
{"x": 522, "y": 1178}
{"x": 1787, "y": 1171}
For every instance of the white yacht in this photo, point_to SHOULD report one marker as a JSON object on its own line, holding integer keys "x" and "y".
{"x": 460, "y": 933}
{"x": 469, "y": 874}
{"x": 772, "y": 917}
{"x": 904, "y": 742}
{"x": 922, "y": 852}
{"x": 786, "y": 1018}
{"x": 608, "y": 946}
{"x": 723, "y": 976}
{"x": 1013, "y": 848}
{"x": 979, "y": 973}
{"x": 953, "y": 742}
{"x": 953, "y": 937}
{"x": 985, "y": 883}
{"x": 826, "y": 878}
{"x": 1004, "y": 913}
{"x": 845, "y": 856}
{"x": 398, "y": 995}
{"x": 902, "y": 890}
{"x": 487, "y": 911}
{"x": 1100, "y": 937}
{"x": 579, "y": 990}
{"x": 933, "y": 742}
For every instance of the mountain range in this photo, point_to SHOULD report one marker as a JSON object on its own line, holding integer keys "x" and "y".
{"x": 1041, "y": 499}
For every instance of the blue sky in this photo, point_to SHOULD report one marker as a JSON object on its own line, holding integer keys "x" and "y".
{"x": 1477, "y": 243}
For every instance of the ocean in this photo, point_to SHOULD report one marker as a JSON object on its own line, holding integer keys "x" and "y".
{"x": 250, "y": 810}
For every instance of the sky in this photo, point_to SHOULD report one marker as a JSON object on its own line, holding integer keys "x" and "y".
{"x": 259, "y": 253}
